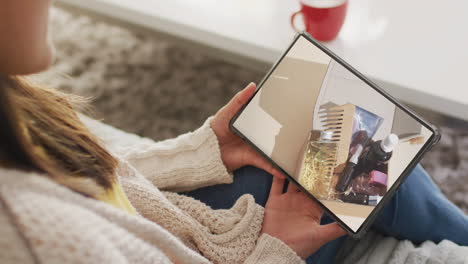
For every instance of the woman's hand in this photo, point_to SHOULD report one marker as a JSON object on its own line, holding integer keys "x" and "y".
{"x": 235, "y": 153}
{"x": 294, "y": 218}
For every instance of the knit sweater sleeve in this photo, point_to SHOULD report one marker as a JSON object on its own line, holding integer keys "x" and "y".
{"x": 272, "y": 251}
{"x": 187, "y": 162}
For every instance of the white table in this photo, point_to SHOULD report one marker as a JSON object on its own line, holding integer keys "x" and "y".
{"x": 417, "y": 50}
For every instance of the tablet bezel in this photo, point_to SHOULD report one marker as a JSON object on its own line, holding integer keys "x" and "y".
{"x": 386, "y": 198}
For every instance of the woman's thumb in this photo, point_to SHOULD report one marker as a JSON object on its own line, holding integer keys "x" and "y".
{"x": 330, "y": 232}
{"x": 241, "y": 98}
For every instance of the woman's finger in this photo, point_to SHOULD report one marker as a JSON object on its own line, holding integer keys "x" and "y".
{"x": 220, "y": 123}
{"x": 276, "y": 186}
{"x": 292, "y": 187}
{"x": 277, "y": 173}
{"x": 255, "y": 159}
{"x": 241, "y": 98}
{"x": 245, "y": 94}
{"x": 329, "y": 232}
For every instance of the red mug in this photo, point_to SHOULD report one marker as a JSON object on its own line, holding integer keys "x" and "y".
{"x": 322, "y": 18}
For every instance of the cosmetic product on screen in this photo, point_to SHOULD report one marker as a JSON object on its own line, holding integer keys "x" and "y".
{"x": 362, "y": 184}
{"x": 378, "y": 178}
{"x": 379, "y": 153}
{"x": 365, "y": 125}
{"x": 359, "y": 138}
{"x": 318, "y": 165}
{"x": 359, "y": 198}
{"x": 349, "y": 171}
{"x": 374, "y": 199}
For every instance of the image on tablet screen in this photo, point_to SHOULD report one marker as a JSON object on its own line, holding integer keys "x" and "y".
{"x": 343, "y": 141}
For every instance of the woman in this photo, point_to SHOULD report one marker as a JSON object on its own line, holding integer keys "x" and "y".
{"x": 75, "y": 190}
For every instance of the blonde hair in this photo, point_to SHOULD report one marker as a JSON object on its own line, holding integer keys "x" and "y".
{"x": 42, "y": 133}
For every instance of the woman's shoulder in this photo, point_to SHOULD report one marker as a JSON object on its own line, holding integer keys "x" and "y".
{"x": 22, "y": 215}
{"x": 54, "y": 224}
{"x": 40, "y": 208}
{"x": 34, "y": 199}
{"x": 13, "y": 247}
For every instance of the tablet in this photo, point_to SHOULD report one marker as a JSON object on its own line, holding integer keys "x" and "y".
{"x": 344, "y": 141}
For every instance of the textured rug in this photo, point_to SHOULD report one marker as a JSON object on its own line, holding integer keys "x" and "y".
{"x": 159, "y": 90}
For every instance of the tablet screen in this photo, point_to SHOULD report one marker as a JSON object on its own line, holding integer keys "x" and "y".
{"x": 339, "y": 138}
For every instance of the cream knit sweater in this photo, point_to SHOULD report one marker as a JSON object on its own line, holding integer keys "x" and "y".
{"x": 44, "y": 222}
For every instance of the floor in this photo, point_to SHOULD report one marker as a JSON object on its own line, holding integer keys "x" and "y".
{"x": 156, "y": 89}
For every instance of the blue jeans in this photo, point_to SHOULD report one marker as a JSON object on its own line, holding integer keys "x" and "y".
{"x": 418, "y": 211}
